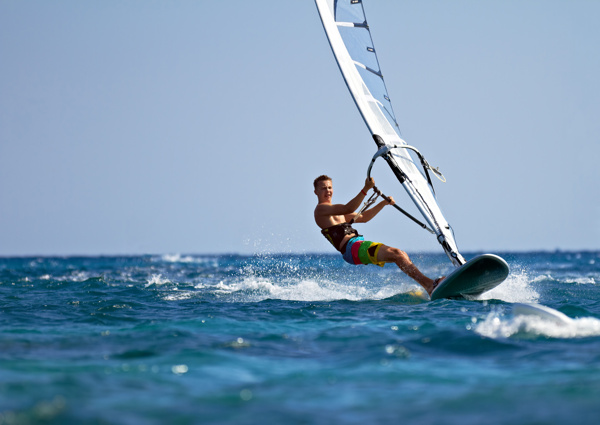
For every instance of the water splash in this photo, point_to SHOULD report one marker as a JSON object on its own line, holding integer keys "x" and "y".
{"x": 518, "y": 287}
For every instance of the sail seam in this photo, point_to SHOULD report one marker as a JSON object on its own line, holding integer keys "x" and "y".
{"x": 365, "y": 67}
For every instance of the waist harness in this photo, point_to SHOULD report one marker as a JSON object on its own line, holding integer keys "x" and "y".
{"x": 336, "y": 234}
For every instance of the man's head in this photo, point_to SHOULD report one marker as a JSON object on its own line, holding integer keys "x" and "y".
{"x": 323, "y": 188}
{"x": 320, "y": 179}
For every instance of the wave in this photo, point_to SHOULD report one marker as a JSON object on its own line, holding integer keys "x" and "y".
{"x": 500, "y": 325}
{"x": 255, "y": 289}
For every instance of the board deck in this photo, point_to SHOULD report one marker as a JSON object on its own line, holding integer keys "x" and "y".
{"x": 473, "y": 278}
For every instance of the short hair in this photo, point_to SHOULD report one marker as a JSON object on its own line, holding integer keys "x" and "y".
{"x": 321, "y": 179}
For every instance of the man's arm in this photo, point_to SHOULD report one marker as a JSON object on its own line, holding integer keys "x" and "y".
{"x": 373, "y": 211}
{"x": 345, "y": 209}
{"x": 340, "y": 209}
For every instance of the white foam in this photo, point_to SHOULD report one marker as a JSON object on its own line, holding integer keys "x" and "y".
{"x": 179, "y": 295}
{"x": 254, "y": 289}
{"x": 79, "y": 276}
{"x": 497, "y": 325}
{"x": 178, "y": 258}
{"x": 157, "y": 279}
{"x": 581, "y": 280}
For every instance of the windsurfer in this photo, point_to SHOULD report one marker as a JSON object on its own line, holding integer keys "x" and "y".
{"x": 335, "y": 221}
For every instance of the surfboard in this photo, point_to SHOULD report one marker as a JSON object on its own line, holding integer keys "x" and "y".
{"x": 541, "y": 311}
{"x": 475, "y": 277}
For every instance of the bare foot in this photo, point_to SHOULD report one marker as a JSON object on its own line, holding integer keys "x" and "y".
{"x": 435, "y": 284}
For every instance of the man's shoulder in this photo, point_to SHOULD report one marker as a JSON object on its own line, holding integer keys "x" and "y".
{"x": 322, "y": 208}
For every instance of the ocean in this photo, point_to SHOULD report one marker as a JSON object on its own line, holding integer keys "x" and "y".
{"x": 294, "y": 339}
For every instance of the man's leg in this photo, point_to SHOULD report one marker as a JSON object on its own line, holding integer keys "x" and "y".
{"x": 395, "y": 255}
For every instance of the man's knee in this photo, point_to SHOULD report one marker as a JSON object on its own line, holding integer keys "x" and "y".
{"x": 399, "y": 254}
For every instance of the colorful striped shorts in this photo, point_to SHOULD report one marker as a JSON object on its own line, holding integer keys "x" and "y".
{"x": 360, "y": 251}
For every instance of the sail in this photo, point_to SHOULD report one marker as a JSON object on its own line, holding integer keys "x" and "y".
{"x": 350, "y": 39}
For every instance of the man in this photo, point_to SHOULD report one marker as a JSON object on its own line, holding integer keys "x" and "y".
{"x": 335, "y": 223}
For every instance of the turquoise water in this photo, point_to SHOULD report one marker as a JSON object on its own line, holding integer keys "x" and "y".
{"x": 295, "y": 339}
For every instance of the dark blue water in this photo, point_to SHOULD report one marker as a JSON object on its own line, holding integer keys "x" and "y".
{"x": 300, "y": 339}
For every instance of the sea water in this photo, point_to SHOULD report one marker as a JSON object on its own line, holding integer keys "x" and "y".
{"x": 294, "y": 339}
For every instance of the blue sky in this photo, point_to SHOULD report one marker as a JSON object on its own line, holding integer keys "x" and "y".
{"x": 198, "y": 127}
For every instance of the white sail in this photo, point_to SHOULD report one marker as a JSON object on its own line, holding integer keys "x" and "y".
{"x": 350, "y": 39}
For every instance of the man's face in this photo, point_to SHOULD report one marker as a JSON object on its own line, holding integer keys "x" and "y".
{"x": 324, "y": 191}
